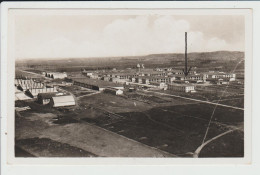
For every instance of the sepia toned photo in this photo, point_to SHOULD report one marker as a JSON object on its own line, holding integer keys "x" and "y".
{"x": 128, "y": 83}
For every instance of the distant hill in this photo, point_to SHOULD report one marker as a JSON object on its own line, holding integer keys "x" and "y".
{"x": 218, "y": 56}
{"x": 197, "y": 59}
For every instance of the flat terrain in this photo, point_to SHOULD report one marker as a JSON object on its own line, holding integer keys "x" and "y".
{"x": 134, "y": 125}
{"x": 40, "y": 136}
{"x": 233, "y": 147}
{"x": 176, "y": 129}
{"x": 232, "y": 95}
{"x": 44, "y": 147}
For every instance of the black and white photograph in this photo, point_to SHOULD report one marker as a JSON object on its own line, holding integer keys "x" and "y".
{"x": 94, "y": 83}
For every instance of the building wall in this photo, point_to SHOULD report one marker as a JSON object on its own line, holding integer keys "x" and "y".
{"x": 159, "y": 85}
{"x": 89, "y": 86}
{"x": 57, "y": 75}
{"x": 106, "y": 78}
{"x": 61, "y": 104}
{"x": 180, "y": 88}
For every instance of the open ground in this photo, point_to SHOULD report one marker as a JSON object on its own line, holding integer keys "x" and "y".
{"x": 130, "y": 126}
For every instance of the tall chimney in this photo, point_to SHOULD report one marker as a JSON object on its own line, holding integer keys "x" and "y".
{"x": 186, "y": 60}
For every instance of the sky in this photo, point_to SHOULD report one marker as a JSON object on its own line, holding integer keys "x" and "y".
{"x": 82, "y": 36}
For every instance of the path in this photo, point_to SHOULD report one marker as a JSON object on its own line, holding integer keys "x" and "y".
{"x": 30, "y": 72}
{"x": 97, "y": 92}
{"x": 197, "y": 152}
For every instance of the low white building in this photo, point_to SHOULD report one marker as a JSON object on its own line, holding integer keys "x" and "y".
{"x": 217, "y": 75}
{"x": 181, "y": 87}
{"x": 67, "y": 83}
{"x": 106, "y": 78}
{"x": 159, "y": 85}
{"x": 113, "y": 91}
{"x": 56, "y": 75}
{"x": 118, "y": 80}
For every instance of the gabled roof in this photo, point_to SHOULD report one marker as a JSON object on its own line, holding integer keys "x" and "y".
{"x": 180, "y": 85}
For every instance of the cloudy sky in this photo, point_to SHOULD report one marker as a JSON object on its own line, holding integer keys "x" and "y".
{"x": 73, "y": 36}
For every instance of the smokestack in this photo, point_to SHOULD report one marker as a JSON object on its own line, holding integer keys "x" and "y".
{"x": 185, "y": 70}
{"x": 186, "y": 61}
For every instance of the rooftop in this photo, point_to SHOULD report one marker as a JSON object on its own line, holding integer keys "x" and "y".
{"x": 190, "y": 75}
{"x": 217, "y": 73}
{"x": 182, "y": 85}
{"x": 63, "y": 99}
{"x": 152, "y": 77}
{"x": 95, "y": 82}
{"x": 47, "y": 95}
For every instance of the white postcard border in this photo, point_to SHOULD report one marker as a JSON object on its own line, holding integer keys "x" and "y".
{"x": 5, "y": 77}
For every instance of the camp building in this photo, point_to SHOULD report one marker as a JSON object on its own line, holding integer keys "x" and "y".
{"x": 96, "y": 84}
{"x": 56, "y": 75}
{"x": 159, "y": 85}
{"x": 181, "y": 87}
{"x": 60, "y": 101}
{"x": 45, "y": 98}
{"x": 113, "y": 91}
{"x": 33, "y": 92}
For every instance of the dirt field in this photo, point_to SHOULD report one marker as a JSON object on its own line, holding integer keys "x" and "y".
{"x": 232, "y": 95}
{"x": 108, "y": 125}
{"x": 233, "y": 147}
{"x": 44, "y": 147}
{"x": 117, "y": 104}
{"x": 37, "y": 134}
{"x": 175, "y": 129}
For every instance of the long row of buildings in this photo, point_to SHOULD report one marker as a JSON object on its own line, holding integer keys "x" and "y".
{"x": 161, "y": 76}
{"x": 117, "y": 88}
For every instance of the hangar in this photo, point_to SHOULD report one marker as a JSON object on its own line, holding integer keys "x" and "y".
{"x": 60, "y": 101}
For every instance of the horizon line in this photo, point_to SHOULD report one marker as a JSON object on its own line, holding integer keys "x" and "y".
{"x": 60, "y": 58}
